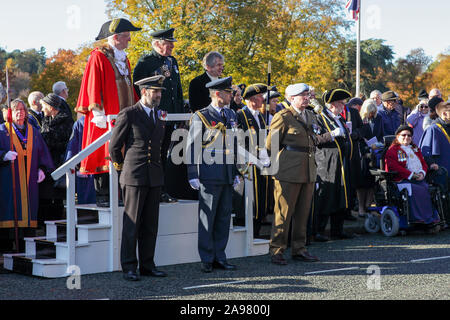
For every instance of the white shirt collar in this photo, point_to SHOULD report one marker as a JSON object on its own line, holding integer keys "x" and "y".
{"x": 217, "y": 109}
{"x": 146, "y": 109}
{"x": 211, "y": 77}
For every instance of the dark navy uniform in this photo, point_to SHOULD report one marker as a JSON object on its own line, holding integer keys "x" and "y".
{"x": 141, "y": 179}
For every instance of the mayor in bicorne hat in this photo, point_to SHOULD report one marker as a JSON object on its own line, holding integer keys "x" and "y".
{"x": 116, "y": 26}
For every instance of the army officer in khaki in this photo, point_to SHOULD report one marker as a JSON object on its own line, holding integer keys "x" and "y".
{"x": 296, "y": 129}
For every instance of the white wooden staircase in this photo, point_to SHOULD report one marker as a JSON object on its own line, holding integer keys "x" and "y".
{"x": 90, "y": 237}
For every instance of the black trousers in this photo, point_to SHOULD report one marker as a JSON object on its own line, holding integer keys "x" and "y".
{"x": 337, "y": 219}
{"x": 140, "y": 227}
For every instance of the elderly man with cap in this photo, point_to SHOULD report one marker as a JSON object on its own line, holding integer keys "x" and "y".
{"x": 212, "y": 170}
{"x": 140, "y": 129}
{"x": 106, "y": 88}
{"x": 251, "y": 119}
{"x": 332, "y": 198}
{"x": 213, "y": 63}
{"x": 390, "y": 117}
{"x": 296, "y": 130}
{"x": 161, "y": 62}
{"x": 35, "y": 113}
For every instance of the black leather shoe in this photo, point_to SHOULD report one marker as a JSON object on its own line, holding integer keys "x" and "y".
{"x": 320, "y": 238}
{"x": 305, "y": 256}
{"x": 207, "y": 267}
{"x": 102, "y": 203}
{"x": 152, "y": 273}
{"x": 166, "y": 198}
{"x": 131, "y": 276}
{"x": 278, "y": 259}
{"x": 342, "y": 236}
{"x": 224, "y": 265}
{"x": 350, "y": 217}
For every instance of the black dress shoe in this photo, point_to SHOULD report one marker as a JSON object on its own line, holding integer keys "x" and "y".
{"x": 130, "y": 276}
{"x": 305, "y": 256}
{"x": 102, "y": 203}
{"x": 278, "y": 259}
{"x": 224, "y": 265}
{"x": 152, "y": 273}
{"x": 207, "y": 267}
{"x": 166, "y": 198}
{"x": 320, "y": 238}
{"x": 342, "y": 236}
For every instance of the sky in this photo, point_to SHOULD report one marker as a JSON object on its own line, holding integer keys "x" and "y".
{"x": 67, "y": 24}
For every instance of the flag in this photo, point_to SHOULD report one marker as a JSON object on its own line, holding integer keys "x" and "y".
{"x": 353, "y": 8}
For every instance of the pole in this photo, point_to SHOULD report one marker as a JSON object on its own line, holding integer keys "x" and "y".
{"x": 358, "y": 51}
{"x": 9, "y": 120}
{"x": 269, "y": 74}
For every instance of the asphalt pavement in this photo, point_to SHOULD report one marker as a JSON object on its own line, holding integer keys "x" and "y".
{"x": 368, "y": 267}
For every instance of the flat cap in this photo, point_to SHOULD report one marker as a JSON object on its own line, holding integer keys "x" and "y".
{"x": 389, "y": 96}
{"x": 115, "y": 26}
{"x": 254, "y": 89}
{"x": 336, "y": 94}
{"x": 224, "y": 84}
{"x": 296, "y": 89}
{"x": 52, "y": 100}
{"x": 165, "y": 34}
{"x": 154, "y": 82}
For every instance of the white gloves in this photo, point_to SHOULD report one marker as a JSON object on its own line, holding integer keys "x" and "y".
{"x": 195, "y": 184}
{"x": 41, "y": 176}
{"x": 264, "y": 157}
{"x": 237, "y": 181}
{"x": 99, "y": 119}
{"x": 10, "y": 156}
{"x": 338, "y": 132}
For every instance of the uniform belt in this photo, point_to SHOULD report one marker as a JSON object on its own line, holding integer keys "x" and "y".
{"x": 299, "y": 149}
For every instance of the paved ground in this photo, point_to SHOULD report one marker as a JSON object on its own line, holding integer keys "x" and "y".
{"x": 342, "y": 274}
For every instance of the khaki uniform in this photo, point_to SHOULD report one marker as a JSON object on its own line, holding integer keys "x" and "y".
{"x": 294, "y": 181}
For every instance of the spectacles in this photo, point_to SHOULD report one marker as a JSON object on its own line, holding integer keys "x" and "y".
{"x": 405, "y": 135}
{"x": 423, "y": 107}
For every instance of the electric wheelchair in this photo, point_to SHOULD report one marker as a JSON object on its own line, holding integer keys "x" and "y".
{"x": 391, "y": 212}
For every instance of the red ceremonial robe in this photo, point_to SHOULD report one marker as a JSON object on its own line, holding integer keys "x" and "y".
{"x": 102, "y": 88}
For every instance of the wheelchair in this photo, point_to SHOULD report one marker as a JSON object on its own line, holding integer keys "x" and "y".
{"x": 391, "y": 213}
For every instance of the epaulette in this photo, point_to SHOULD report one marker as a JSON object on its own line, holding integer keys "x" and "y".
{"x": 284, "y": 112}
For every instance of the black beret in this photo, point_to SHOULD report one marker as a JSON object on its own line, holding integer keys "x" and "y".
{"x": 254, "y": 89}
{"x": 335, "y": 95}
{"x": 404, "y": 127}
{"x": 166, "y": 34}
{"x": 388, "y": 96}
{"x": 423, "y": 94}
{"x": 52, "y": 100}
{"x": 355, "y": 101}
{"x": 434, "y": 102}
{"x": 154, "y": 82}
{"x": 115, "y": 26}
{"x": 224, "y": 84}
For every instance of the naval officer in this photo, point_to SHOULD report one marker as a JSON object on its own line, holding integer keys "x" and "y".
{"x": 214, "y": 181}
{"x": 140, "y": 130}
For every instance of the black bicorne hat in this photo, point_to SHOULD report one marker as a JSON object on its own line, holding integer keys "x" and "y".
{"x": 115, "y": 26}
{"x": 336, "y": 94}
{"x": 254, "y": 89}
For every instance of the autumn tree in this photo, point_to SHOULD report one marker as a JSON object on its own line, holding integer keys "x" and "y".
{"x": 298, "y": 37}
{"x": 438, "y": 76}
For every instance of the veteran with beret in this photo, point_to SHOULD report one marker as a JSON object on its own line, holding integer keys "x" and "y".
{"x": 213, "y": 173}
{"x": 140, "y": 130}
{"x": 296, "y": 130}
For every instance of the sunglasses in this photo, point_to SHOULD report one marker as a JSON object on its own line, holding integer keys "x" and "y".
{"x": 423, "y": 107}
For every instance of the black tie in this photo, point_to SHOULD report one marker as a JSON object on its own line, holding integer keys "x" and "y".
{"x": 152, "y": 121}
{"x": 224, "y": 118}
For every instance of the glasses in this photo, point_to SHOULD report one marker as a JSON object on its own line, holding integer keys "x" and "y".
{"x": 405, "y": 135}
{"x": 423, "y": 106}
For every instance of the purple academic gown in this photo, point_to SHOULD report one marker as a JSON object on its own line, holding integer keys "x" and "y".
{"x": 435, "y": 146}
{"x": 84, "y": 184}
{"x": 40, "y": 159}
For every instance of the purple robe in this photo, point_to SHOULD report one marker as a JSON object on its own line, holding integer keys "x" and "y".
{"x": 435, "y": 147}
{"x": 27, "y": 199}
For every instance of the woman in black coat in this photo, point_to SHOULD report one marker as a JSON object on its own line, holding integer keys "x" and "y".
{"x": 56, "y": 130}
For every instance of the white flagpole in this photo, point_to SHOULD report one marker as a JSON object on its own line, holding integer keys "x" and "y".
{"x": 358, "y": 51}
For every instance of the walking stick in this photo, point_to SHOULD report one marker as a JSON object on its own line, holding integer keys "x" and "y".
{"x": 16, "y": 226}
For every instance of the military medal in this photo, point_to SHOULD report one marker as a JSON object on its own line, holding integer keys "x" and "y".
{"x": 316, "y": 128}
{"x": 165, "y": 70}
{"x": 162, "y": 115}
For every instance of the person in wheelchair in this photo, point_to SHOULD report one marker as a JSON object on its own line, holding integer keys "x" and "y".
{"x": 405, "y": 158}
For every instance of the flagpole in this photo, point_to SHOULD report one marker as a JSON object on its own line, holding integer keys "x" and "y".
{"x": 358, "y": 51}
